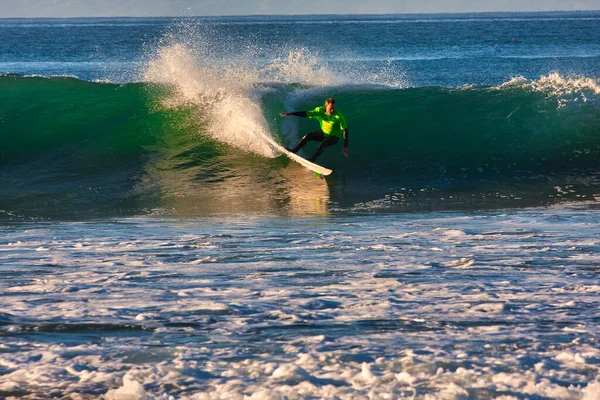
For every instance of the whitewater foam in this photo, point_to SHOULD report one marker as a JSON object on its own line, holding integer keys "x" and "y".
{"x": 565, "y": 89}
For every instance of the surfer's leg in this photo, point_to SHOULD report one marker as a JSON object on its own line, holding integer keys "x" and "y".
{"x": 316, "y": 135}
{"x": 330, "y": 141}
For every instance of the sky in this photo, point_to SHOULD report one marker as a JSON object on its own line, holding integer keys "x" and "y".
{"x": 147, "y": 8}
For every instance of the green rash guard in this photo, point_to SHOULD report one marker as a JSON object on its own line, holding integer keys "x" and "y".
{"x": 331, "y": 125}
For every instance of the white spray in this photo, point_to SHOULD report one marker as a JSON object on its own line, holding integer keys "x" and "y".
{"x": 228, "y": 89}
{"x": 224, "y": 94}
{"x": 565, "y": 89}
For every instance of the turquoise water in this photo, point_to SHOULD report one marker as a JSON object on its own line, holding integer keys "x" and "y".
{"x": 154, "y": 243}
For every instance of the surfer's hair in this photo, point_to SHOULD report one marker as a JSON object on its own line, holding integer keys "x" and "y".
{"x": 330, "y": 100}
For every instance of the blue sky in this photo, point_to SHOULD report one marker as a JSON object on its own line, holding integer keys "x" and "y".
{"x": 76, "y": 8}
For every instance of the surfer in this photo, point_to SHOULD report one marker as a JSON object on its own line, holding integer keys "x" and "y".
{"x": 333, "y": 126}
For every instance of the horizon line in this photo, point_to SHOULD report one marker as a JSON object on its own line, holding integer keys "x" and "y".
{"x": 313, "y": 15}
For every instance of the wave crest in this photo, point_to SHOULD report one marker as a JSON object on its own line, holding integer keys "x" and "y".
{"x": 564, "y": 89}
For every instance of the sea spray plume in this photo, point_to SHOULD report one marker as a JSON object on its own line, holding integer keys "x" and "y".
{"x": 224, "y": 94}
{"x": 387, "y": 75}
{"x": 225, "y": 78}
{"x": 301, "y": 66}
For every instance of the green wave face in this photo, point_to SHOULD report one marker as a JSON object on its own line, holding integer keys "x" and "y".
{"x": 417, "y": 131}
{"x": 84, "y": 149}
{"x": 70, "y": 146}
{"x": 42, "y": 115}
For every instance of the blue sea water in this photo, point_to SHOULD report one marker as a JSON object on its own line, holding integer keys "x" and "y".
{"x": 154, "y": 244}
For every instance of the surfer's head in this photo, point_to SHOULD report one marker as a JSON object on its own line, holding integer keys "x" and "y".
{"x": 330, "y": 105}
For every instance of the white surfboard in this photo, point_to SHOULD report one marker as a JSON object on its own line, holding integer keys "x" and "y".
{"x": 304, "y": 162}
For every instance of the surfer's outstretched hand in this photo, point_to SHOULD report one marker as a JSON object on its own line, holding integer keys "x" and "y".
{"x": 345, "y": 151}
{"x": 285, "y": 114}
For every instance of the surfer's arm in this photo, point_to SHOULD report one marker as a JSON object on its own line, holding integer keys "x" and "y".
{"x": 345, "y": 149}
{"x": 295, "y": 114}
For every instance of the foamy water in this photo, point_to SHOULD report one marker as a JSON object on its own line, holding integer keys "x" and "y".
{"x": 448, "y": 306}
{"x": 566, "y": 89}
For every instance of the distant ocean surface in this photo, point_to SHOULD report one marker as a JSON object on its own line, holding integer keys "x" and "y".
{"x": 154, "y": 244}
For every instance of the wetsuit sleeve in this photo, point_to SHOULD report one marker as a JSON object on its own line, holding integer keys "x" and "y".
{"x": 299, "y": 114}
{"x": 345, "y": 132}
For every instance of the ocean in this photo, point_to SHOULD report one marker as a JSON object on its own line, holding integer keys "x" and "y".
{"x": 154, "y": 244}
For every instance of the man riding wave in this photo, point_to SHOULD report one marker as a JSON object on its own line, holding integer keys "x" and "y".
{"x": 333, "y": 127}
